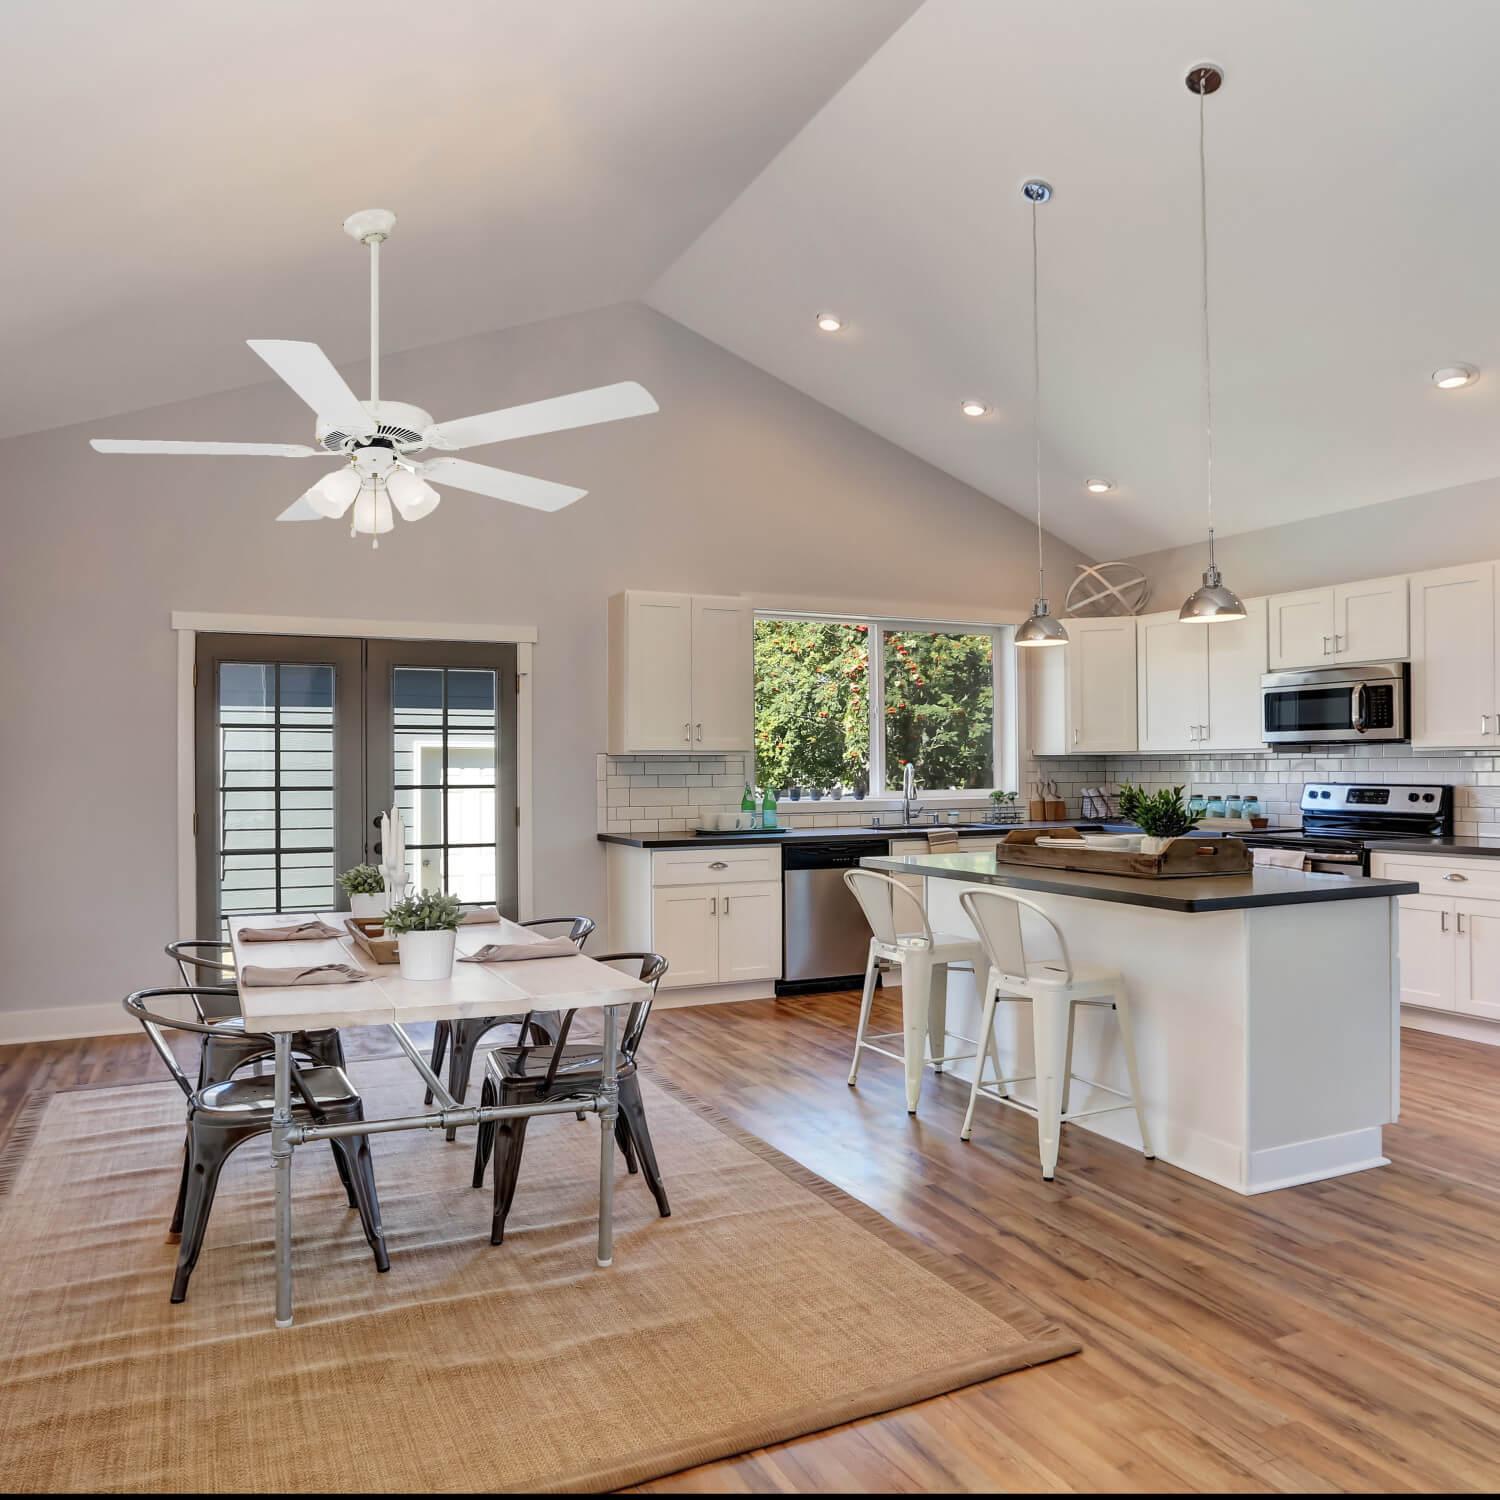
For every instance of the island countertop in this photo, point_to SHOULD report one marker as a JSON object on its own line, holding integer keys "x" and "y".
{"x": 1263, "y": 886}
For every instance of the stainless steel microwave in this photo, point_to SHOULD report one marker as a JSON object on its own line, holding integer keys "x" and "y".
{"x": 1370, "y": 702}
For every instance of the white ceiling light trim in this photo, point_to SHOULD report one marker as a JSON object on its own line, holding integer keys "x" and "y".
{"x": 1212, "y": 603}
{"x": 380, "y": 441}
{"x": 1453, "y": 377}
{"x": 974, "y": 409}
{"x": 830, "y": 323}
{"x": 1098, "y": 486}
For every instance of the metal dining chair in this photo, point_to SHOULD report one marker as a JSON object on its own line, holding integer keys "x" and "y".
{"x": 464, "y": 1036}
{"x": 222, "y": 1116}
{"x": 208, "y": 976}
{"x": 528, "y": 1074}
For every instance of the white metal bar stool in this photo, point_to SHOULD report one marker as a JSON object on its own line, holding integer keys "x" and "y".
{"x": 924, "y": 958}
{"x": 1054, "y": 989}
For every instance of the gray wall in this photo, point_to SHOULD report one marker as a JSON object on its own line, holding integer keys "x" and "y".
{"x": 1436, "y": 530}
{"x": 740, "y": 485}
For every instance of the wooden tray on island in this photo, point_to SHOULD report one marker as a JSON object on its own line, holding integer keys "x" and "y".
{"x": 1184, "y": 857}
{"x": 369, "y": 937}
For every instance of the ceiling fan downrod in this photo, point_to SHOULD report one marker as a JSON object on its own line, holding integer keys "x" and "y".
{"x": 372, "y": 226}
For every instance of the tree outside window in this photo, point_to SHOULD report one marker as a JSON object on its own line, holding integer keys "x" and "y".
{"x": 940, "y": 708}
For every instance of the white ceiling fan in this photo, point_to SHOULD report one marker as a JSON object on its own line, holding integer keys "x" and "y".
{"x": 380, "y": 441}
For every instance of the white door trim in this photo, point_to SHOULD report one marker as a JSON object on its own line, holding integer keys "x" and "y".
{"x": 187, "y": 625}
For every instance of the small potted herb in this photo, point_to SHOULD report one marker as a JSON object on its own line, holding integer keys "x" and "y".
{"x": 366, "y": 889}
{"x": 1161, "y": 816}
{"x": 426, "y": 925}
{"x": 1005, "y": 807}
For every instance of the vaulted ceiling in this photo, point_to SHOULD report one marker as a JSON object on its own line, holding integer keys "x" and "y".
{"x": 174, "y": 185}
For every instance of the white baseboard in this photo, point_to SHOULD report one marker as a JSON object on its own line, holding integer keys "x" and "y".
{"x": 63, "y": 1023}
{"x": 1312, "y": 1161}
{"x": 1447, "y": 1023}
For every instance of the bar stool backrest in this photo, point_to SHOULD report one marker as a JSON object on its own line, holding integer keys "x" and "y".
{"x": 579, "y": 928}
{"x": 996, "y": 916}
{"x": 887, "y": 904}
{"x": 209, "y": 975}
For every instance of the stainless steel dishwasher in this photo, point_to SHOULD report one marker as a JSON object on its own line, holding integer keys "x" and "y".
{"x": 825, "y": 937}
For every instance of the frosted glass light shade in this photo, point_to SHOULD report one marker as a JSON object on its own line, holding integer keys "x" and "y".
{"x": 334, "y": 493}
{"x": 372, "y": 512}
{"x": 413, "y": 497}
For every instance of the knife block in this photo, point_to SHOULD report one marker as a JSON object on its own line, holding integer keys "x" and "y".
{"x": 1036, "y": 810}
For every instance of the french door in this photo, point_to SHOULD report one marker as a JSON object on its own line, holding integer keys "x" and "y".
{"x": 301, "y": 744}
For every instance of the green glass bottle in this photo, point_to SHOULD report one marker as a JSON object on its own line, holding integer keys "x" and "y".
{"x": 747, "y": 807}
{"x": 768, "y": 810}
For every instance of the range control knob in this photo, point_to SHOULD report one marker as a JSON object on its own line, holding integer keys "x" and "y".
{"x": 1429, "y": 797}
{"x": 1413, "y": 797}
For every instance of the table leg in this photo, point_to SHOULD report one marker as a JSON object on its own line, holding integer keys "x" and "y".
{"x": 281, "y": 1161}
{"x": 608, "y": 1112}
{"x": 916, "y": 997}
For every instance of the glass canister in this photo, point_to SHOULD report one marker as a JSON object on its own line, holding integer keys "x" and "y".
{"x": 1197, "y": 805}
{"x": 1215, "y": 808}
{"x": 1250, "y": 807}
{"x": 1234, "y": 805}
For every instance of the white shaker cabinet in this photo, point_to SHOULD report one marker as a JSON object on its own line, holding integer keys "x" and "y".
{"x": 1199, "y": 685}
{"x": 681, "y": 673}
{"x": 1236, "y": 664}
{"x": 1101, "y": 684}
{"x": 1454, "y": 694}
{"x": 1426, "y": 935}
{"x": 1350, "y": 622}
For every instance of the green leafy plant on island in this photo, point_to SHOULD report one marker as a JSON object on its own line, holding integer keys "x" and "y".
{"x": 1159, "y": 815}
{"x": 363, "y": 880}
{"x": 427, "y": 911}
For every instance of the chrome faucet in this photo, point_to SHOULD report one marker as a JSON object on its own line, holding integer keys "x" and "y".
{"x": 908, "y": 791}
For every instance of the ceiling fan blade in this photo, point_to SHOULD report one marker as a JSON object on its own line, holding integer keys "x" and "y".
{"x": 311, "y": 374}
{"x": 262, "y": 450}
{"x": 500, "y": 484}
{"x": 605, "y": 403}
{"x": 300, "y": 510}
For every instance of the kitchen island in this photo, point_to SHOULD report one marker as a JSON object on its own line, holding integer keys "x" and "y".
{"x": 1266, "y": 1009}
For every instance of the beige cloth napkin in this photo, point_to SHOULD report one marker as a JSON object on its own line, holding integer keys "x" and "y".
{"x": 505, "y": 953}
{"x": 479, "y": 914}
{"x": 303, "y": 932}
{"x": 259, "y": 976}
{"x": 1286, "y": 859}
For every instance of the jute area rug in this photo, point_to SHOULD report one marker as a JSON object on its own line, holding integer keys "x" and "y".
{"x": 769, "y": 1305}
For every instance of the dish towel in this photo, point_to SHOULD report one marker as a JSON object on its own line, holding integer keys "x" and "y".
{"x": 507, "y": 953}
{"x": 303, "y": 932}
{"x": 944, "y": 840}
{"x": 479, "y": 914}
{"x": 258, "y": 976}
{"x": 1286, "y": 859}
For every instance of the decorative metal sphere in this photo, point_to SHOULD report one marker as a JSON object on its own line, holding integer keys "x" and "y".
{"x": 1108, "y": 588}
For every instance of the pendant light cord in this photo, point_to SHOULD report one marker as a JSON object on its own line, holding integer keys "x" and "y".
{"x": 1208, "y": 369}
{"x": 1036, "y": 405}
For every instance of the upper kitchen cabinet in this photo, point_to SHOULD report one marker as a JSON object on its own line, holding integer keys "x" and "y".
{"x": 1455, "y": 698}
{"x": 1199, "y": 685}
{"x": 1101, "y": 685}
{"x": 681, "y": 673}
{"x": 1350, "y": 622}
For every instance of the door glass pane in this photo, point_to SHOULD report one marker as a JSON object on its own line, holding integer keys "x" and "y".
{"x": 274, "y": 725}
{"x": 444, "y": 759}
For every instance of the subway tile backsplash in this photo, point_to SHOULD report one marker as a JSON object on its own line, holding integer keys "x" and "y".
{"x": 1277, "y": 778}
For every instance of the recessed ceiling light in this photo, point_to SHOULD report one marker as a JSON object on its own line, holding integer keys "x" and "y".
{"x": 1098, "y": 486}
{"x": 1451, "y": 377}
{"x": 974, "y": 409}
{"x": 829, "y": 323}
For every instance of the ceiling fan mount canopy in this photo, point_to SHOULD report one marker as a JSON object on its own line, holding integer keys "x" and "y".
{"x": 378, "y": 440}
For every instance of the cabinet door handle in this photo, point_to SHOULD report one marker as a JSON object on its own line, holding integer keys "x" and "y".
{"x": 726, "y": 906}
{"x": 1484, "y": 723}
{"x": 713, "y": 906}
{"x": 1075, "y": 736}
{"x": 1327, "y": 645}
{"x": 1460, "y": 921}
{"x": 1192, "y": 733}
{"x": 719, "y": 864}
{"x": 700, "y": 731}
{"x": 1443, "y": 919}
{"x": 1337, "y": 638}
{"x": 687, "y": 733}
{"x": 1454, "y": 875}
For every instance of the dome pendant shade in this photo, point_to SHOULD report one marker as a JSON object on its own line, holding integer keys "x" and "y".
{"x": 1212, "y": 604}
{"x": 1042, "y": 628}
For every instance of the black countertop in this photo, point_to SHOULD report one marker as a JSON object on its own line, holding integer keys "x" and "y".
{"x": 690, "y": 840}
{"x": 1264, "y": 886}
{"x": 1453, "y": 844}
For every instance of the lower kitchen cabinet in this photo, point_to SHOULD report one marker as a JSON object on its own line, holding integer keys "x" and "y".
{"x": 1427, "y": 959}
{"x": 1477, "y": 938}
{"x": 714, "y": 914}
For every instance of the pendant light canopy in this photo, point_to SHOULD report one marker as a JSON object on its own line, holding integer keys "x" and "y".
{"x": 1042, "y": 628}
{"x": 1213, "y": 603}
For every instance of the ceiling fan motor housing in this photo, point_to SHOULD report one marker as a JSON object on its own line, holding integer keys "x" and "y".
{"x": 400, "y": 425}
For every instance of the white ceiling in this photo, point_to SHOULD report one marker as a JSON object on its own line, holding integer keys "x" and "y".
{"x": 1355, "y": 215}
{"x": 175, "y": 172}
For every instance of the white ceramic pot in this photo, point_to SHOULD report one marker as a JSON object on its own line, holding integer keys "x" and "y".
{"x": 1151, "y": 845}
{"x": 426, "y": 955}
{"x": 369, "y": 904}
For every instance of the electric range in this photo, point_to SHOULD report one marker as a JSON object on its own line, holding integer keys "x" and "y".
{"x": 1340, "y": 819}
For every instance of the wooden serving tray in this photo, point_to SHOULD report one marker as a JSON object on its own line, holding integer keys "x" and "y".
{"x": 1184, "y": 857}
{"x": 369, "y": 937}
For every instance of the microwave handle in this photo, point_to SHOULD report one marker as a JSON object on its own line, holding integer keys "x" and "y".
{"x": 1357, "y": 708}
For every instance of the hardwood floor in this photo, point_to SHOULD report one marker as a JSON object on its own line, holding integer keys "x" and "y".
{"x": 1341, "y": 1335}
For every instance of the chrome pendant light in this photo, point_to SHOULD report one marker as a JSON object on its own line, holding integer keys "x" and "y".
{"x": 1042, "y": 628}
{"x": 1213, "y": 603}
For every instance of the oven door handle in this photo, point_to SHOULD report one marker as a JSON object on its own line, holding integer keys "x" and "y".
{"x": 1357, "y": 707}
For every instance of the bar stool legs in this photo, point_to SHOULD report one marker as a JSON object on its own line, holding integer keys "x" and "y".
{"x": 1051, "y": 1026}
{"x": 916, "y": 1000}
{"x": 1127, "y": 1043}
{"x": 866, "y": 1000}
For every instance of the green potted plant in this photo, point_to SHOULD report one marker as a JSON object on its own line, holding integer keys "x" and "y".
{"x": 1161, "y": 816}
{"x": 426, "y": 926}
{"x": 365, "y": 886}
{"x": 1005, "y": 807}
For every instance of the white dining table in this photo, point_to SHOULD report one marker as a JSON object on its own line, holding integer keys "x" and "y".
{"x": 384, "y": 998}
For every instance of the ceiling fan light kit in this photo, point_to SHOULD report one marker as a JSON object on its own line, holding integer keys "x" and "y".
{"x": 382, "y": 442}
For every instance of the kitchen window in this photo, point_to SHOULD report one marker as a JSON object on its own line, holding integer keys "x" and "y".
{"x": 849, "y": 702}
